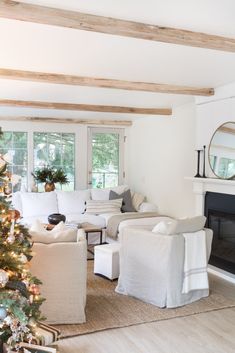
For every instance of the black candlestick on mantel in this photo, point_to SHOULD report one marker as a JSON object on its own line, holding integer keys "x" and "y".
{"x": 204, "y": 162}
{"x": 198, "y": 175}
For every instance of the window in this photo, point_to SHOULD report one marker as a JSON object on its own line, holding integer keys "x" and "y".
{"x": 57, "y": 150}
{"x": 15, "y": 143}
{"x": 105, "y": 157}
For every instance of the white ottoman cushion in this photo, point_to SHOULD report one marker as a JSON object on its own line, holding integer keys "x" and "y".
{"x": 107, "y": 260}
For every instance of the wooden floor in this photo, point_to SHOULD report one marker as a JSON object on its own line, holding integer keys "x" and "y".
{"x": 212, "y": 332}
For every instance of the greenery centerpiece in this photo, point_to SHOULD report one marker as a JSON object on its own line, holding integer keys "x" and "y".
{"x": 50, "y": 176}
{"x": 20, "y": 297}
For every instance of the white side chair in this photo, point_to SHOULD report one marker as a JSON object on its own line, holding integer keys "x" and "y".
{"x": 152, "y": 267}
{"x": 62, "y": 268}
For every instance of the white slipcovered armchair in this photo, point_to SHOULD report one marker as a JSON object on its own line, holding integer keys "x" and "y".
{"x": 62, "y": 268}
{"x": 152, "y": 267}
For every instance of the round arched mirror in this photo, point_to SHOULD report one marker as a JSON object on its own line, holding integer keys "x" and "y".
{"x": 222, "y": 151}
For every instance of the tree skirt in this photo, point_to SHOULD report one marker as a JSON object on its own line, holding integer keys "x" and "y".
{"x": 106, "y": 309}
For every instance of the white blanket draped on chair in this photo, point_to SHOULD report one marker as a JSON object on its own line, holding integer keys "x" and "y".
{"x": 195, "y": 262}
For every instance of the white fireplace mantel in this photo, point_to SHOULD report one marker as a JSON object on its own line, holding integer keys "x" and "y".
{"x": 202, "y": 185}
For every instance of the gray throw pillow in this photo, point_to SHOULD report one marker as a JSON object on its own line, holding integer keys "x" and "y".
{"x": 127, "y": 201}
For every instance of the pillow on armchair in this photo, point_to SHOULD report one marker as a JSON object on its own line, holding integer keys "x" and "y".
{"x": 59, "y": 234}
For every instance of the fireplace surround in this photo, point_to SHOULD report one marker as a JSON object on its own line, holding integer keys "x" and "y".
{"x": 202, "y": 186}
{"x": 220, "y": 213}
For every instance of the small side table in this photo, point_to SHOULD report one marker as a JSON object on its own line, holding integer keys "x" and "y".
{"x": 91, "y": 228}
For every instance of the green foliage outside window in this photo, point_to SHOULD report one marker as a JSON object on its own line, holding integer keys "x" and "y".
{"x": 16, "y": 144}
{"x": 56, "y": 150}
{"x": 105, "y": 159}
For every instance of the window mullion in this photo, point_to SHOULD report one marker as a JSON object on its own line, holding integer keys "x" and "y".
{"x": 30, "y": 159}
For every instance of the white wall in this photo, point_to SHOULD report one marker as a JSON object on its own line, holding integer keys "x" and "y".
{"x": 211, "y": 113}
{"x": 161, "y": 154}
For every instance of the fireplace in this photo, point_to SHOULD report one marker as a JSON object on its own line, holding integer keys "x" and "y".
{"x": 220, "y": 213}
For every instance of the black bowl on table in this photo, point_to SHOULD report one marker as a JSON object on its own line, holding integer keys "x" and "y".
{"x": 56, "y": 218}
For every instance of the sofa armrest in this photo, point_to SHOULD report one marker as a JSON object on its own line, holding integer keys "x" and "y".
{"x": 142, "y": 223}
{"x": 81, "y": 235}
{"x": 148, "y": 207}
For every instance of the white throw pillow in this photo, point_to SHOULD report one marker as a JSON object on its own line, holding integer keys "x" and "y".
{"x": 137, "y": 200}
{"x": 102, "y": 206}
{"x": 72, "y": 201}
{"x": 39, "y": 203}
{"x": 59, "y": 234}
{"x": 103, "y": 194}
{"x": 187, "y": 225}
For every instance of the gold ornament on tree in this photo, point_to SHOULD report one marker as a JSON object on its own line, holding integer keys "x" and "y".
{"x": 13, "y": 215}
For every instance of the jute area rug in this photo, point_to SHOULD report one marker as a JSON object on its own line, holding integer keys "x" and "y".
{"x": 106, "y": 309}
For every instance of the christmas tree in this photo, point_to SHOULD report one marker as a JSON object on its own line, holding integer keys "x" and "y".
{"x": 20, "y": 298}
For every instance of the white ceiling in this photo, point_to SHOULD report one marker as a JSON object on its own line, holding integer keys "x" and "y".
{"x": 38, "y": 47}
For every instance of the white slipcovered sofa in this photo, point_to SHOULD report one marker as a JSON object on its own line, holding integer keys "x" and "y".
{"x": 38, "y": 206}
{"x": 152, "y": 267}
{"x": 62, "y": 268}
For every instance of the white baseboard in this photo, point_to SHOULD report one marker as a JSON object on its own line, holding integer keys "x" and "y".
{"x": 222, "y": 274}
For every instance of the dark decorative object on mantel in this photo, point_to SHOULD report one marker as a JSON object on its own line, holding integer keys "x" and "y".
{"x": 56, "y": 218}
{"x": 198, "y": 175}
{"x": 204, "y": 162}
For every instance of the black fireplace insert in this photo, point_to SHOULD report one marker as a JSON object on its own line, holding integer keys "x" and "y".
{"x": 220, "y": 213}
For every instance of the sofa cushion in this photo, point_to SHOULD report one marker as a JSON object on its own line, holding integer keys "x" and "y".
{"x": 28, "y": 221}
{"x": 59, "y": 234}
{"x": 103, "y": 194}
{"x": 72, "y": 201}
{"x": 76, "y": 218}
{"x": 187, "y": 225}
{"x": 39, "y": 203}
{"x": 72, "y": 218}
{"x": 126, "y": 200}
{"x": 102, "y": 206}
{"x": 100, "y": 194}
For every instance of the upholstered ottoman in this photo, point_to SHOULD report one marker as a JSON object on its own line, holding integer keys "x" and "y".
{"x": 107, "y": 260}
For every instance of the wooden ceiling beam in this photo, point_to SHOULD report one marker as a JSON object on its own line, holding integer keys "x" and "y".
{"x": 102, "y": 82}
{"x": 87, "y": 22}
{"x": 85, "y": 107}
{"x": 34, "y": 119}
